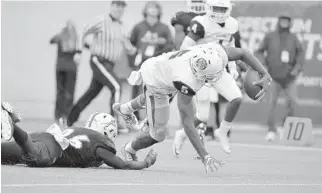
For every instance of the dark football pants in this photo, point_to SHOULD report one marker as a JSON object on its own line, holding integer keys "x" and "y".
{"x": 290, "y": 96}
{"x": 103, "y": 75}
{"x": 66, "y": 81}
{"x": 47, "y": 151}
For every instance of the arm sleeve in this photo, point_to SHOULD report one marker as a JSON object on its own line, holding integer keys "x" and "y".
{"x": 134, "y": 35}
{"x": 299, "y": 55}
{"x": 110, "y": 159}
{"x": 184, "y": 88}
{"x": 196, "y": 32}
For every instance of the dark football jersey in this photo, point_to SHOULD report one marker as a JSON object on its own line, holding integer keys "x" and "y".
{"x": 82, "y": 149}
{"x": 184, "y": 19}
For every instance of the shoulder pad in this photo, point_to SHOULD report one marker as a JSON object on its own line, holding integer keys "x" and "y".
{"x": 199, "y": 18}
{"x": 197, "y": 28}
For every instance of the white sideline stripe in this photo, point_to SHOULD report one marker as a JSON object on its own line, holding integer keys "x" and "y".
{"x": 140, "y": 184}
{"x": 110, "y": 77}
{"x": 268, "y": 146}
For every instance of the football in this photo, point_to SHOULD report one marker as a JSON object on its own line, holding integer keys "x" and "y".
{"x": 250, "y": 89}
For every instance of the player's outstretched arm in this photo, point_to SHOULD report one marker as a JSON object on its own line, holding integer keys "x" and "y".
{"x": 246, "y": 57}
{"x": 187, "y": 112}
{"x": 116, "y": 162}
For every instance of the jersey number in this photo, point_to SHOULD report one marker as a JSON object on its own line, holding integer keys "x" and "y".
{"x": 184, "y": 90}
{"x": 178, "y": 54}
{"x": 76, "y": 141}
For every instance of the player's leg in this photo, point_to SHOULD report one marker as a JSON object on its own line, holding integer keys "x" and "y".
{"x": 275, "y": 91}
{"x": 222, "y": 104}
{"x": 21, "y": 137}
{"x": 158, "y": 113}
{"x": 69, "y": 93}
{"x": 229, "y": 89}
{"x": 93, "y": 90}
{"x": 291, "y": 98}
{"x": 11, "y": 153}
{"x": 33, "y": 151}
{"x": 200, "y": 122}
{"x": 60, "y": 95}
{"x": 215, "y": 99}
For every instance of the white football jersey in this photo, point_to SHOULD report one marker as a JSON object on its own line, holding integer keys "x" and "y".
{"x": 210, "y": 31}
{"x": 162, "y": 72}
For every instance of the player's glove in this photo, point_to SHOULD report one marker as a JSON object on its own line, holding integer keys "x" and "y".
{"x": 211, "y": 164}
{"x": 264, "y": 82}
{"x": 151, "y": 157}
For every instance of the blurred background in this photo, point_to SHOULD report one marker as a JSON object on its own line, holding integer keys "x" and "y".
{"x": 28, "y": 60}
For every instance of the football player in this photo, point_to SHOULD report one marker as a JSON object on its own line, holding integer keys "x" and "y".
{"x": 215, "y": 26}
{"x": 183, "y": 73}
{"x": 89, "y": 146}
{"x": 181, "y": 20}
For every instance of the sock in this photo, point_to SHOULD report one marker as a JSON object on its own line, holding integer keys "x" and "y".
{"x": 23, "y": 140}
{"x": 225, "y": 126}
{"x": 143, "y": 141}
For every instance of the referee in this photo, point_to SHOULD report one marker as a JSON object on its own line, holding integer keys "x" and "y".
{"x": 108, "y": 45}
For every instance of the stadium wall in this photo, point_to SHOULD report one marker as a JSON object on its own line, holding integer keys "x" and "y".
{"x": 28, "y": 61}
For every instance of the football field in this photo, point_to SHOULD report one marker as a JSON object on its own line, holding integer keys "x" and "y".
{"x": 253, "y": 166}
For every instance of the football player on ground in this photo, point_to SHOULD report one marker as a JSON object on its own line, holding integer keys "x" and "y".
{"x": 182, "y": 72}
{"x": 215, "y": 26}
{"x": 89, "y": 146}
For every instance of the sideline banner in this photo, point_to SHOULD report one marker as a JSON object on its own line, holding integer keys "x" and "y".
{"x": 258, "y": 18}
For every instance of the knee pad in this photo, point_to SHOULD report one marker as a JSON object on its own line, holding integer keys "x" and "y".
{"x": 159, "y": 132}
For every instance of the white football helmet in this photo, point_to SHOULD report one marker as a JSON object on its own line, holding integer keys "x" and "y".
{"x": 218, "y": 10}
{"x": 103, "y": 123}
{"x": 208, "y": 63}
{"x": 196, "y": 6}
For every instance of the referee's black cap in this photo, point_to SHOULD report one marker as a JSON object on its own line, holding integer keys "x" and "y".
{"x": 122, "y": 3}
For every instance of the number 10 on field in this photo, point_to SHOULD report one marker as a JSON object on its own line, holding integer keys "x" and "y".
{"x": 297, "y": 131}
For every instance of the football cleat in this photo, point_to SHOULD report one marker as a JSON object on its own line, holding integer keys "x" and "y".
{"x": 130, "y": 120}
{"x": 128, "y": 156}
{"x": 6, "y": 126}
{"x": 224, "y": 141}
{"x": 15, "y": 116}
{"x": 270, "y": 136}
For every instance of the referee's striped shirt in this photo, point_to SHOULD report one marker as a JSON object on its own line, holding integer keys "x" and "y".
{"x": 109, "y": 38}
